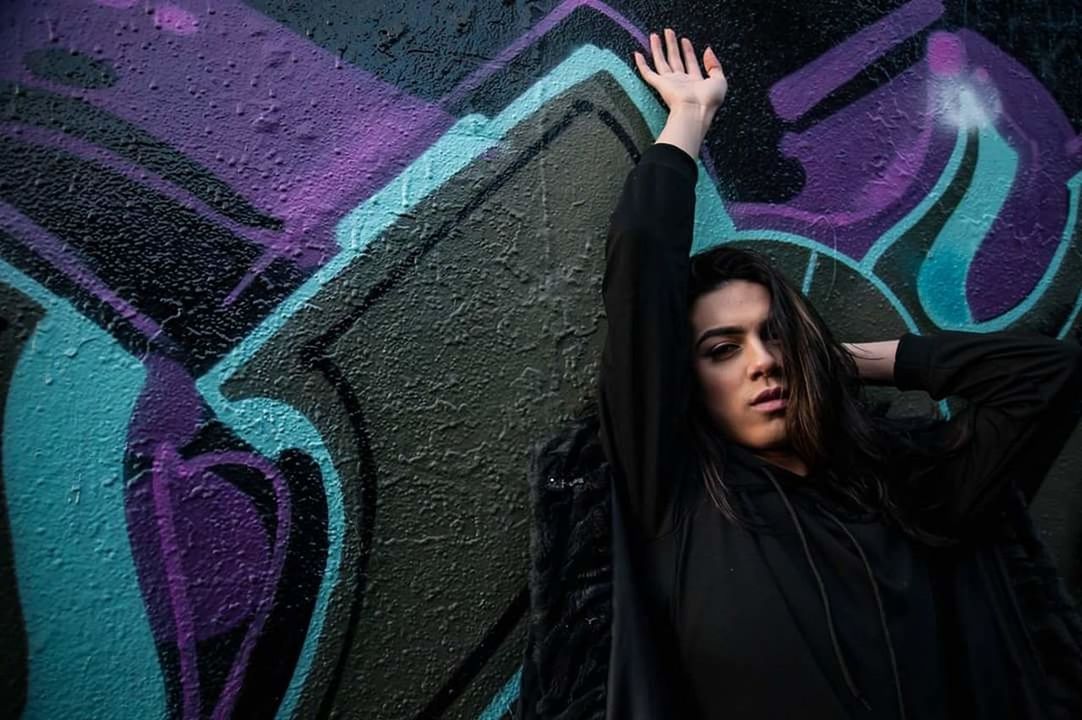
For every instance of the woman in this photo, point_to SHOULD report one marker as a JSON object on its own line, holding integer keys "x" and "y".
{"x": 785, "y": 556}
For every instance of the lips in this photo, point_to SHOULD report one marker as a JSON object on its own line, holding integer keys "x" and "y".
{"x": 769, "y": 395}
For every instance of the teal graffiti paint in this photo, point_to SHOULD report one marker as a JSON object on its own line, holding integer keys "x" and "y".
{"x": 941, "y": 282}
{"x": 503, "y": 701}
{"x": 72, "y": 393}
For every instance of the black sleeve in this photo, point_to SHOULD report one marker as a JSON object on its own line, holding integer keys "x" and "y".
{"x": 645, "y": 367}
{"x": 1015, "y": 385}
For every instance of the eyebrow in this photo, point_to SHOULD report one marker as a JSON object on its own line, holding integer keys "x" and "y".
{"x": 723, "y": 330}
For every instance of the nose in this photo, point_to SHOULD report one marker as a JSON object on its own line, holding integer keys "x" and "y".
{"x": 764, "y": 360}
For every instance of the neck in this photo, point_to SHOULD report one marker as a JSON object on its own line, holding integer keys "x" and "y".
{"x": 785, "y": 460}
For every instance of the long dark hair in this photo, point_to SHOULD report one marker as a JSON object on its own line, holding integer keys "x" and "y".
{"x": 829, "y": 424}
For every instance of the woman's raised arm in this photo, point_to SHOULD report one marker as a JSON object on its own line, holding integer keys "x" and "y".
{"x": 645, "y": 367}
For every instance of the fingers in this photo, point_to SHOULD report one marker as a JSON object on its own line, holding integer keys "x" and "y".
{"x": 672, "y": 51}
{"x": 644, "y": 69}
{"x": 712, "y": 64}
{"x": 690, "y": 62}
{"x": 660, "y": 64}
{"x": 676, "y": 56}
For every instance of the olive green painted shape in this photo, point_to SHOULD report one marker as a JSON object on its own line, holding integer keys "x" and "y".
{"x": 465, "y": 333}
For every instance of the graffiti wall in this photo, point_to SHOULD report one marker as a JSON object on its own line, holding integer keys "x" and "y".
{"x": 288, "y": 289}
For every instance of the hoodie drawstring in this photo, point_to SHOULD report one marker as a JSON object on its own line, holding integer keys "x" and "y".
{"x": 822, "y": 593}
{"x": 879, "y": 604}
{"x": 826, "y": 599}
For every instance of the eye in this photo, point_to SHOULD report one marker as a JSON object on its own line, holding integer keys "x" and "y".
{"x": 722, "y": 351}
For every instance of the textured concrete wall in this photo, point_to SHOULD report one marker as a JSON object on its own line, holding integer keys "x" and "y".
{"x": 287, "y": 289}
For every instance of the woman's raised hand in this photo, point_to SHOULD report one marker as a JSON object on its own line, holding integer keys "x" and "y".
{"x": 692, "y": 98}
{"x": 677, "y": 76}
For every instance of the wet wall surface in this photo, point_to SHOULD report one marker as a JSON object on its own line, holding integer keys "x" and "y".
{"x": 288, "y": 290}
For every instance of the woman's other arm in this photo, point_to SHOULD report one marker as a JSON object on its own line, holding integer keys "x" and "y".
{"x": 1017, "y": 386}
{"x": 875, "y": 360}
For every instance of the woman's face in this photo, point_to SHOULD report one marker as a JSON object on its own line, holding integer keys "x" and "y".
{"x": 736, "y": 361}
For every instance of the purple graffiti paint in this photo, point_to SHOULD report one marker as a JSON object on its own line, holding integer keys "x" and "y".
{"x": 302, "y": 136}
{"x": 169, "y": 408}
{"x": 865, "y": 167}
{"x": 271, "y": 577}
{"x": 1073, "y": 147}
{"x": 207, "y": 563}
{"x": 799, "y": 92}
{"x": 228, "y": 553}
{"x": 175, "y": 581}
{"x": 869, "y": 164}
{"x": 946, "y": 54}
{"x": 1030, "y": 225}
{"x": 219, "y": 570}
{"x": 175, "y": 19}
{"x": 167, "y": 414}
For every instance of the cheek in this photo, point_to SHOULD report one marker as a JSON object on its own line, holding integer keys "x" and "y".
{"x": 720, "y": 388}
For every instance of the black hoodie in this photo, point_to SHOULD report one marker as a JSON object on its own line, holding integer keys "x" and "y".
{"x": 809, "y": 610}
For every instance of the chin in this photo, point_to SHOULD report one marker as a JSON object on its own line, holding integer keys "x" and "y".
{"x": 762, "y": 436}
{"x": 773, "y": 441}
